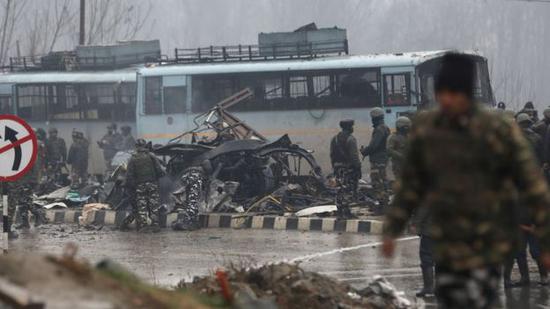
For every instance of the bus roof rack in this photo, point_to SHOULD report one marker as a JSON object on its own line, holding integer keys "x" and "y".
{"x": 264, "y": 52}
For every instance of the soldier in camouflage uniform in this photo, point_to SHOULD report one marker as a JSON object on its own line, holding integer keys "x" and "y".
{"x": 190, "y": 196}
{"x": 56, "y": 155}
{"x": 397, "y": 143}
{"x": 466, "y": 164}
{"x": 377, "y": 153}
{"x": 78, "y": 159}
{"x": 144, "y": 172}
{"x": 344, "y": 157}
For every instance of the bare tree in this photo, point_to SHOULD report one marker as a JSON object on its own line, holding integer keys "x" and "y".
{"x": 48, "y": 24}
{"x": 114, "y": 20}
{"x": 11, "y": 11}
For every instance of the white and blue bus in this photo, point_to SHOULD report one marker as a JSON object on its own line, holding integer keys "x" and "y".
{"x": 304, "y": 98}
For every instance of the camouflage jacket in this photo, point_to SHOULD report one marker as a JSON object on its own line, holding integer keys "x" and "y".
{"x": 56, "y": 150}
{"x": 376, "y": 150}
{"x": 468, "y": 173}
{"x": 396, "y": 147}
{"x": 143, "y": 167}
{"x": 343, "y": 151}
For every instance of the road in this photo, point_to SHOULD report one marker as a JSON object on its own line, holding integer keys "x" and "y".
{"x": 168, "y": 257}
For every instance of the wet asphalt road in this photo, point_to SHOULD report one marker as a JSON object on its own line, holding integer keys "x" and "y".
{"x": 167, "y": 257}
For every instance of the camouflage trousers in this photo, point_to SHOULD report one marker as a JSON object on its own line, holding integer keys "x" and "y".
{"x": 147, "y": 204}
{"x": 193, "y": 182}
{"x": 378, "y": 180}
{"x": 476, "y": 288}
{"x": 348, "y": 182}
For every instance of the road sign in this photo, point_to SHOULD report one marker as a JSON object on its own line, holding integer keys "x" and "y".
{"x": 18, "y": 148}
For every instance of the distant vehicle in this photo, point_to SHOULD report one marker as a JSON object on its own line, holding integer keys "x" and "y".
{"x": 305, "y": 98}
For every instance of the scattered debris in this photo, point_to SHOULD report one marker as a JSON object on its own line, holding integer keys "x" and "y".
{"x": 289, "y": 286}
{"x": 88, "y": 213}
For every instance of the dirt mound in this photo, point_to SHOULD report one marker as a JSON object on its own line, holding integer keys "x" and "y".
{"x": 63, "y": 282}
{"x": 289, "y": 286}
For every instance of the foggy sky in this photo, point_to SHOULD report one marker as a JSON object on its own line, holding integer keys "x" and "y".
{"x": 514, "y": 35}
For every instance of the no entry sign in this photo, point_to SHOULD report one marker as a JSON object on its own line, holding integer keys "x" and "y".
{"x": 18, "y": 148}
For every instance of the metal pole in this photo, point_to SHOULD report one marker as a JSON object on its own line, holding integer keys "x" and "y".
{"x": 5, "y": 226}
{"x": 82, "y": 39}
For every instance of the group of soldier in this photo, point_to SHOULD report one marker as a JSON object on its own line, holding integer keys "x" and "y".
{"x": 384, "y": 147}
{"x": 51, "y": 166}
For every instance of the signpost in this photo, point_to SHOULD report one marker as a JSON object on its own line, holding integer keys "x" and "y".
{"x": 18, "y": 150}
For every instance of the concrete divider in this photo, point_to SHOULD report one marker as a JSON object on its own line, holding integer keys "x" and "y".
{"x": 235, "y": 221}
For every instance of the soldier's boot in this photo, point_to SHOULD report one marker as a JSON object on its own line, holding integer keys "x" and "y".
{"x": 428, "y": 279}
{"x": 24, "y": 223}
{"x": 523, "y": 268}
{"x": 39, "y": 218}
{"x": 507, "y": 274}
{"x": 125, "y": 224}
{"x": 543, "y": 272}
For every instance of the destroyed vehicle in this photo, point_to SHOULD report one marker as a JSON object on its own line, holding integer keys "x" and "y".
{"x": 259, "y": 167}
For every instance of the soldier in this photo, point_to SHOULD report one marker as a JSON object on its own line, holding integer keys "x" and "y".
{"x": 56, "y": 155}
{"x": 22, "y": 190}
{"x": 376, "y": 151}
{"x": 110, "y": 143}
{"x": 144, "y": 172}
{"x": 78, "y": 159}
{"x": 397, "y": 143}
{"x": 466, "y": 164}
{"x": 189, "y": 197}
{"x": 346, "y": 165}
{"x": 128, "y": 142}
{"x": 535, "y": 140}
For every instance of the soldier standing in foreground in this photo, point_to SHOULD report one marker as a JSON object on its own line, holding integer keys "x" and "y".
{"x": 344, "y": 157}
{"x": 78, "y": 159}
{"x": 378, "y": 156}
{"x": 397, "y": 143}
{"x": 144, "y": 172}
{"x": 466, "y": 164}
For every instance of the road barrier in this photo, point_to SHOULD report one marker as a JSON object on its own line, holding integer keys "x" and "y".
{"x": 235, "y": 221}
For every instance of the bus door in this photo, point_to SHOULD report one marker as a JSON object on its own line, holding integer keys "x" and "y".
{"x": 397, "y": 84}
{"x": 163, "y": 105}
{"x": 6, "y": 99}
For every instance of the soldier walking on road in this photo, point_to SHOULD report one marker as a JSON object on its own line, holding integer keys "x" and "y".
{"x": 377, "y": 153}
{"x": 144, "y": 172}
{"x": 397, "y": 143}
{"x": 78, "y": 159}
{"x": 346, "y": 165}
{"x": 466, "y": 165}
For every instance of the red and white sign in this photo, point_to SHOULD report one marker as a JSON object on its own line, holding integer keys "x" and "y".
{"x": 18, "y": 148}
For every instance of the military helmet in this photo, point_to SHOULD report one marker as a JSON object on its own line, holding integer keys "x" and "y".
{"x": 376, "y": 112}
{"x": 523, "y": 117}
{"x": 141, "y": 143}
{"x": 347, "y": 123}
{"x": 40, "y": 134}
{"x": 403, "y": 122}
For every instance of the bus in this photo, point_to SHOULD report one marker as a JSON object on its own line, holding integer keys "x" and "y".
{"x": 305, "y": 98}
{"x": 85, "y": 100}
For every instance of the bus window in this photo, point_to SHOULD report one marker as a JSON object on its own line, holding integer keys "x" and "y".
{"x": 359, "y": 88}
{"x": 153, "y": 96}
{"x": 322, "y": 86}
{"x": 31, "y": 102}
{"x": 397, "y": 89}
{"x": 273, "y": 88}
{"x": 298, "y": 86}
{"x": 175, "y": 99}
{"x": 6, "y": 106}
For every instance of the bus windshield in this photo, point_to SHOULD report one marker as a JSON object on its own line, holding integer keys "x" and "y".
{"x": 482, "y": 88}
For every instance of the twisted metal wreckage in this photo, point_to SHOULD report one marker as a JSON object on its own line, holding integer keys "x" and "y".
{"x": 246, "y": 172}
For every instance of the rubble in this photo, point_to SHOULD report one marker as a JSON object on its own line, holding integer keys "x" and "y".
{"x": 289, "y": 286}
